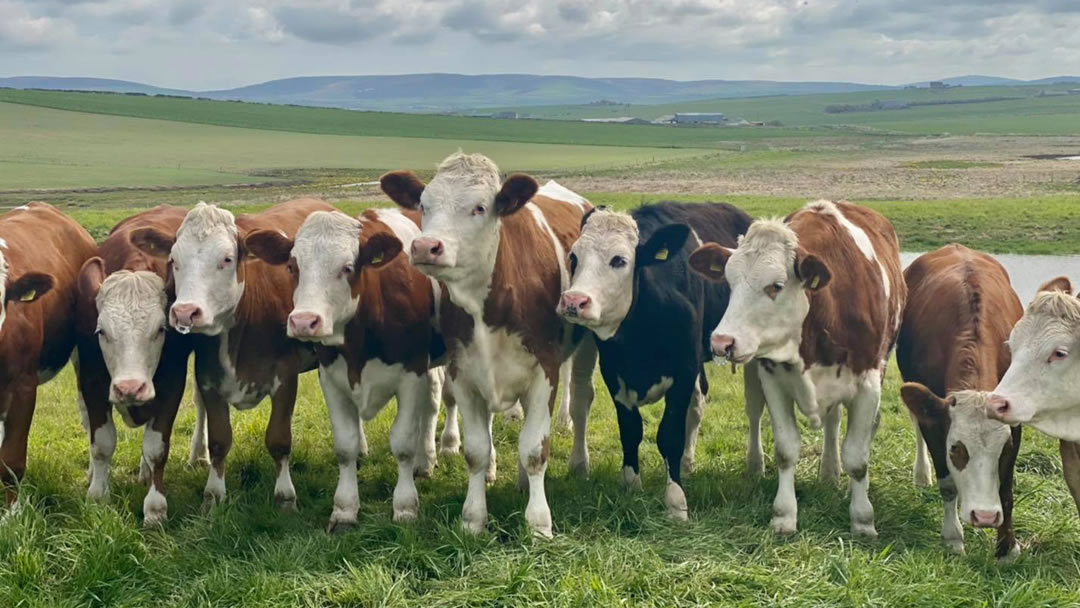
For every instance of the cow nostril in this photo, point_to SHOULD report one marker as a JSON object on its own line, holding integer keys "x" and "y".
{"x": 1003, "y": 407}
{"x": 437, "y": 249}
{"x": 584, "y": 302}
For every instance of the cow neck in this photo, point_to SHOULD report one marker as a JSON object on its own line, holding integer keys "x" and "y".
{"x": 472, "y": 292}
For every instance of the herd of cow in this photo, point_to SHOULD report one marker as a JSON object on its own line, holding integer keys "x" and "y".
{"x": 481, "y": 292}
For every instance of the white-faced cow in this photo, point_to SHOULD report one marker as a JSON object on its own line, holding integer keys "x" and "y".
{"x": 500, "y": 248}
{"x": 239, "y": 306}
{"x": 41, "y": 251}
{"x": 817, "y": 300}
{"x": 631, "y": 286}
{"x": 1041, "y": 388}
{"x": 371, "y": 315}
{"x": 128, "y": 358}
{"x": 960, "y": 310}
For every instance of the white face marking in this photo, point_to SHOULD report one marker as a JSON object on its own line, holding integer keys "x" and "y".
{"x": 981, "y": 440}
{"x": 1042, "y": 385}
{"x": 762, "y": 326}
{"x": 603, "y": 261}
{"x": 204, "y": 263}
{"x": 131, "y": 326}
{"x": 325, "y": 250}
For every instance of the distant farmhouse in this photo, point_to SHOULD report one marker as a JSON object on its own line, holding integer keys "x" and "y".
{"x": 619, "y": 120}
{"x": 699, "y": 118}
{"x": 507, "y": 114}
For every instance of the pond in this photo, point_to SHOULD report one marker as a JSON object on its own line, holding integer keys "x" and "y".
{"x": 1028, "y": 272}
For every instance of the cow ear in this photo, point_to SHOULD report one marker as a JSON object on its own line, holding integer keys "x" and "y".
{"x": 29, "y": 287}
{"x": 152, "y": 241}
{"x": 588, "y": 214}
{"x": 709, "y": 260}
{"x": 378, "y": 251}
{"x": 927, "y": 407}
{"x": 91, "y": 276}
{"x": 517, "y": 190}
{"x": 403, "y": 187}
{"x": 664, "y": 243}
{"x": 813, "y": 272}
{"x": 270, "y": 246}
{"x": 1059, "y": 284}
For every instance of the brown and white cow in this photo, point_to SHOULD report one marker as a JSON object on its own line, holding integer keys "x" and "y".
{"x": 500, "y": 248}
{"x": 239, "y": 307}
{"x": 128, "y": 358}
{"x": 960, "y": 310}
{"x": 1041, "y": 385}
{"x": 41, "y": 251}
{"x": 371, "y": 315}
{"x": 816, "y": 299}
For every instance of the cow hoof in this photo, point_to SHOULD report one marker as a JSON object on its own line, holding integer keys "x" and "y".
{"x": 405, "y": 515}
{"x": 489, "y": 477}
{"x": 155, "y": 518}
{"x": 923, "y": 479}
{"x": 210, "y": 501}
{"x": 783, "y": 526}
{"x": 755, "y": 465}
{"x": 144, "y": 472}
{"x": 687, "y": 465}
{"x": 630, "y": 480}
{"x": 475, "y": 528}
{"x": 199, "y": 461}
{"x": 425, "y": 471}
{"x": 563, "y": 422}
{"x": 542, "y": 534}
{"x": 830, "y": 472}
{"x": 337, "y": 528}
{"x": 447, "y": 448}
{"x": 956, "y": 547}
{"x": 1010, "y": 557}
{"x": 580, "y": 468}
{"x": 865, "y": 530}
{"x": 287, "y": 504}
{"x": 675, "y": 499}
{"x": 98, "y": 495}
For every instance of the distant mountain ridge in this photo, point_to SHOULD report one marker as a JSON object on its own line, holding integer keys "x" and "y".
{"x": 447, "y": 92}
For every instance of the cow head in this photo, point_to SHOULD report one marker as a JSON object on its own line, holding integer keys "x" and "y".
{"x": 130, "y": 327}
{"x": 205, "y": 260}
{"x": 605, "y": 264}
{"x": 327, "y": 261}
{"x": 461, "y": 208}
{"x": 1042, "y": 385}
{"x": 28, "y": 287}
{"x": 976, "y": 448}
{"x": 770, "y": 277}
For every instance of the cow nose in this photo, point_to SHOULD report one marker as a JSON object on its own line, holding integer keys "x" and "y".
{"x": 985, "y": 519}
{"x": 574, "y": 304}
{"x": 304, "y": 323}
{"x": 722, "y": 346}
{"x": 185, "y": 315}
{"x": 427, "y": 250}
{"x": 130, "y": 390}
{"x": 998, "y": 405}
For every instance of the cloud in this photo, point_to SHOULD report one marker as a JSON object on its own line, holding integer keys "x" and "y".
{"x": 22, "y": 31}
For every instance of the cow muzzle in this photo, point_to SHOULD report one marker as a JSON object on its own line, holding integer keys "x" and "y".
{"x": 185, "y": 317}
{"x": 429, "y": 251}
{"x": 306, "y": 326}
{"x": 576, "y": 305}
{"x": 131, "y": 392}
{"x": 986, "y": 519}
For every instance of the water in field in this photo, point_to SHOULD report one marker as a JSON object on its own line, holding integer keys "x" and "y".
{"x": 1028, "y": 272}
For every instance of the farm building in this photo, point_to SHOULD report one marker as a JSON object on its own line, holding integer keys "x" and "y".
{"x": 619, "y": 120}
{"x": 666, "y": 119}
{"x": 507, "y": 114}
{"x": 1074, "y": 91}
{"x": 700, "y": 118}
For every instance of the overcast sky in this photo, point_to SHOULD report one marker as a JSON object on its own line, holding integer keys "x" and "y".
{"x": 204, "y": 44}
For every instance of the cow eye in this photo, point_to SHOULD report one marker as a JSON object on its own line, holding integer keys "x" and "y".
{"x": 479, "y": 210}
{"x": 174, "y": 265}
{"x": 617, "y": 262}
{"x": 1058, "y": 354}
{"x": 347, "y": 269}
{"x": 100, "y": 333}
{"x": 773, "y": 290}
{"x": 161, "y": 330}
{"x": 228, "y": 260}
{"x": 573, "y": 263}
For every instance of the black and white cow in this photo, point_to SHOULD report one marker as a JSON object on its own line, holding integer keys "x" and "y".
{"x": 652, "y": 317}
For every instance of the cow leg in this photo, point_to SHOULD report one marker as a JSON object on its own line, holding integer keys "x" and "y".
{"x": 671, "y": 440}
{"x": 102, "y": 445}
{"x": 694, "y": 415}
{"x": 476, "y": 418}
{"x": 920, "y": 469}
{"x": 534, "y": 448}
{"x": 581, "y": 398}
{"x": 562, "y": 415}
{"x": 787, "y": 443}
{"x": 830, "y": 454}
{"x": 1070, "y": 464}
{"x": 21, "y": 400}
{"x": 414, "y": 401}
{"x": 155, "y": 453}
{"x": 199, "y": 454}
{"x": 862, "y": 423}
{"x": 219, "y": 442}
{"x": 630, "y": 435}
{"x": 450, "y": 440}
{"x": 425, "y": 460}
{"x": 952, "y": 532}
{"x": 279, "y": 441}
{"x": 755, "y": 406}
{"x": 344, "y": 424}
{"x": 362, "y": 434}
{"x": 1007, "y": 547}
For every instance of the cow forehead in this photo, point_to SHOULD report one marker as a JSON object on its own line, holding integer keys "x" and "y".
{"x": 1051, "y": 314}
{"x": 135, "y": 296}
{"x": 327, "y": 234}
{"x": 463, "y": 179}
{"x": 768, "y": 247}
{"x": 970, "y": 423}
{"x": 206, "y": 223}
{"x": 606, "y": 230}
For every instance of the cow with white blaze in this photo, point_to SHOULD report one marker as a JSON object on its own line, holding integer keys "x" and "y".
{"x": 238, "y": 307}
{"x": 371, "y": 317}
{"x": 500, "y": 249}
{"x": 816, "y": 300}
{"x": 41, "y": 251}
{"x": 652, "y": 317}
{"x": 1041, "y": 388}
{"x": 960, "y": 309}
{"x": 128, "y": 358}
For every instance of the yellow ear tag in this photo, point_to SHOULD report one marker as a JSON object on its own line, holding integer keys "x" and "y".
{"x": 662, "y": 254}
{"x": 815, "y": 282}
{"x": 716, "y": 267}
{"x": 376, "y": 259}
{"x": 29, "y": 296}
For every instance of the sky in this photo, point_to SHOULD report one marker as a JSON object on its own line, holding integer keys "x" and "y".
{"x": 212, "y": 44}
